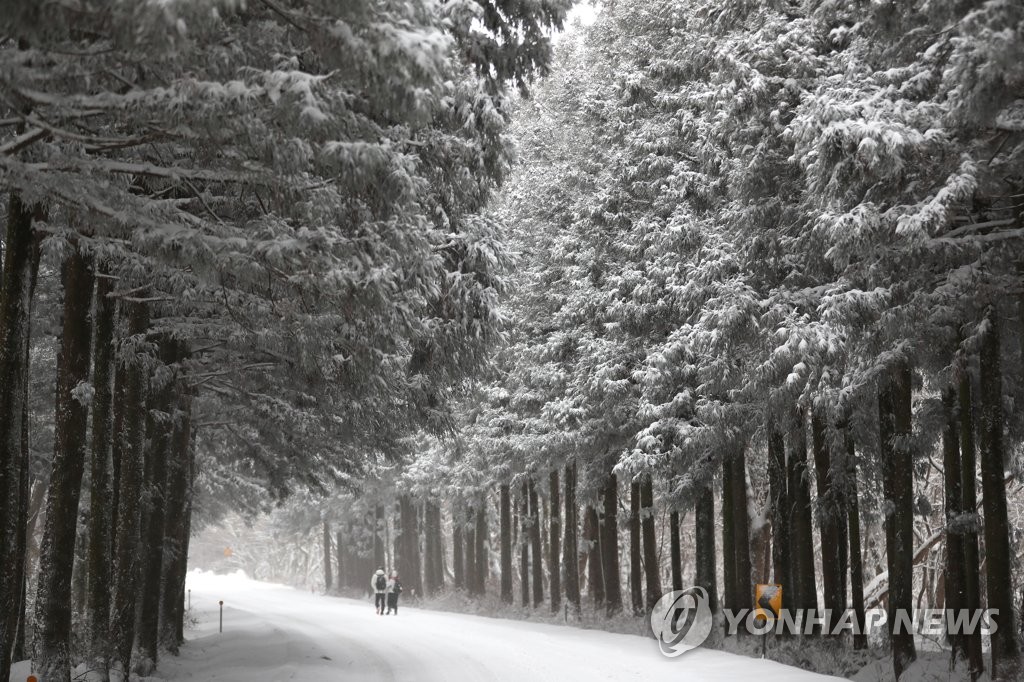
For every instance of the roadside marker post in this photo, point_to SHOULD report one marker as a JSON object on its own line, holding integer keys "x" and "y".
{"x": 190, "y": 600}
{"x": 221, "y": 602}
{"x": 767, "y": 607}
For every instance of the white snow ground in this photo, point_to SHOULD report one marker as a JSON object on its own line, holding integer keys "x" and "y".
{"x": 274, "y": 633}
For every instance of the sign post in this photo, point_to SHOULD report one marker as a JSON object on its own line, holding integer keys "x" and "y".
{"x": 221, "y": 602}
{"x": 767, "y": 607}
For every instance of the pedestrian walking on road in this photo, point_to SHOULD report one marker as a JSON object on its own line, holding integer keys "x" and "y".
{"x": 379, "y": 585}
{"x": 394, "y": 589}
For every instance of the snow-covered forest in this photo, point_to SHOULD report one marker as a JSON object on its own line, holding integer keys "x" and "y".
{"x": 551, "y": 316}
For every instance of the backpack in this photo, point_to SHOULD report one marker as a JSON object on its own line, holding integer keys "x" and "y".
{"x": 382, "y": 583}
{"x": 397, "y": 589}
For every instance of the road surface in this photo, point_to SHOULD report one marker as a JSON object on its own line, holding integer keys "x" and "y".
{"x": 274, "y": 633}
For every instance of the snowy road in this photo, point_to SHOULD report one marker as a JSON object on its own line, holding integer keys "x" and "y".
{"x": 274, "y": 633}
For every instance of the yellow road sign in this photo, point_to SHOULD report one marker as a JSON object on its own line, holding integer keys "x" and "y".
{"x": 767, "y": 601}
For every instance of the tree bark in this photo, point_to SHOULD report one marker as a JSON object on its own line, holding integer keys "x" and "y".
{"x": 636, "y": 587}
{"x": 652, "y": 570}
{"x": 53, "y": 601}
{"x": 408, "y": 561}
{"x": 506, "y": 543}
{"x": 830, "y": 517}
{"x": 328, "y": 557}
{"x": 704, "y": 531}
{"x": 458, "y": 560}
{"x": 176, "y": 530}
{"x": 570, "y": 555}
{"x": 555, "y": 527}
{"x": 743, "y": 591}
{"x": 524, "y": 546}
{"x": 801, "y": 530}
{"x": 470, "y": 541}
{"x": 163, "y": 386}
{"x": 778, "y": 506}
{"x": 535, "y": 547}
{"x": 15, "y": 321}
{"x": 953, "y": 585}
{"x": 610, "y": 546}
{"x": 998, "y": 553}
{"x": 595, "y": 570}
{"x": 856, "y": 564}
{"x": 894, "y": 409}
{"x": 101, "y": 527}
{"x": 379, "y": 523}
{"x": 676, "y": 550}
{"x": 729, "y": 599}
{"x": 482, "y": 560}
{"x": 130, "y": 482}
{"x": 968, "y": 487}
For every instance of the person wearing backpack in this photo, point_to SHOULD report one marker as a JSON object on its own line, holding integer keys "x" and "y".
{"x": 379, "y": 585}
{"x": 394, "y": 589}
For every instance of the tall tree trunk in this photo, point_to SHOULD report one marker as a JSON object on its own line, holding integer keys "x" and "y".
{"x": 968, "y": 486}
{"x": 833, "y": 569}
{"x": 953, "y": 585}
{"x": 130, "y": 482}
{"x": 555, "y": 527}
{"x": 161, "y": 413}
{"x": 651, "y": 567}
{"x": 438, "y": 556}
{"x": 524, "y": 546}
{"x": 636, "y": 586}
{"x": 778, "y": 506}
{"x": 610, "y": 546}
{"x": 743, "y": 591}
{"x": 801, "y": 530}
{"x": 570, "y": 550}
{"x": 379, "y": 523}
{"x": 676, "y": 550}
{"x": 429, "y": 577}
{"x": 328, "y": 557}
{"x": 535, "y": 548}
{"x": 53, "y": 601}
{"x": 506, "y": 543}
{"x": 729, "y": 600}
{"x": 482, "y": 560}
{"x": 409, "y": 559}
{"x": 458, "y": 560}
{"x": 856, "y": 564}
{"x": 470, "y": 541}
{"x": 15, "y": 320}
{"x": 998, "y": 554}
{"x": 175, "y": 531}
{"x": 704, "y": 532}
{"x": 342, "y": 568}
{"x": 101, "y": 488}
{"x": 894, "y": 412}
{"x": 595, "y": 570}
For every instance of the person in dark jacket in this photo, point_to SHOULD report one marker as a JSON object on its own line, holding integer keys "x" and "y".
{"x": 393, "y": 590}
{"x": 379, "y": 585}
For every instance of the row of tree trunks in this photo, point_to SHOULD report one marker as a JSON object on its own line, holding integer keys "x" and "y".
{"x": 52, "y": 657}
{"x": 19, "y": 268}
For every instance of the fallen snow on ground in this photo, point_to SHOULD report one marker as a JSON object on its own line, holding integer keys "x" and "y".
{"x": 274, "y": 633}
